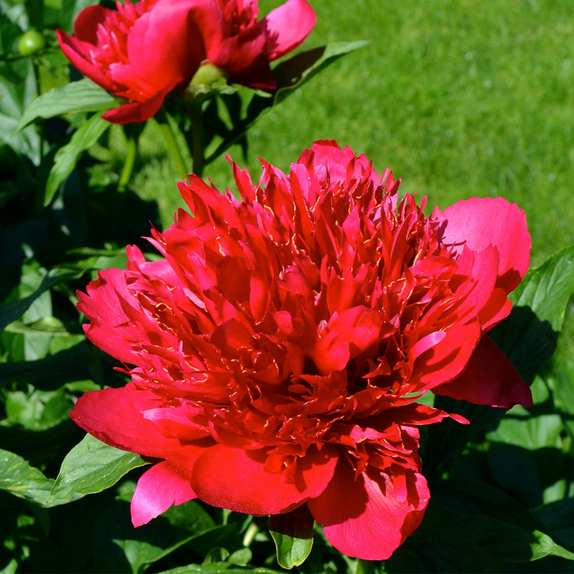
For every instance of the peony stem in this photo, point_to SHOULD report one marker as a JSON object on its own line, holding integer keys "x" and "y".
{"x": 129, "y": 162}
{"x": 365, "y": 566}
{"x": 172, "y": 145}
{"x": 252, "y": 530}
{"x": 198, "y": 137}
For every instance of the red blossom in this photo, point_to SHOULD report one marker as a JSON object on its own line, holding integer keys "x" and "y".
{"x": 143, "y": 51}
{"x": 278, "y": 351}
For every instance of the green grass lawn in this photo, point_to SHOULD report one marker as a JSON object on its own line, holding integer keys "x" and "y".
{"x": 471, "y": 97}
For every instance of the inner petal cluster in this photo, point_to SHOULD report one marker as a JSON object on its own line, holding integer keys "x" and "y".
{"x": 313, "y": 314}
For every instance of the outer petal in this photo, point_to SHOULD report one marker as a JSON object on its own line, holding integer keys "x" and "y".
{"x": 160, "y": 487}
{"x": 287, "y": 26}
{"x": 489, "y": 379}
{"x": 479, "y": 222}
{"x": 139, "y": 111}
{"x": 115, "y": 416}
{"x": 236, "y": 479}
{"x": 362, "y": 517}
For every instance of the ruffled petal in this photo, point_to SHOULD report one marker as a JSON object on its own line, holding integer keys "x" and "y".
{"x": 287, "y": 26}
{"x": 157, "y": 489}
{"x": 489, "y": 379}
{"x": 480, "y": 222}
{"x": 110, "y": 328}
{"x": 364, "y": 517}
{"x": 77, "y": 51}
{"x": 237, "y": 480}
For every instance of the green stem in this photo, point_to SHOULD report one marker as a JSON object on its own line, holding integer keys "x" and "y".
{"x": 365, "y": 566}
{"x": 41, "y": 128}
{"x": 129, "y": 162}
{"x": 252, "y": 530}
{"x": 172, "y": 145}
{"x": 198, "y": 138}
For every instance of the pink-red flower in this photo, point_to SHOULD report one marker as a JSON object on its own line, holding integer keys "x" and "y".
{"x": 145, "y": 50}
{"x": 279, "y": 350}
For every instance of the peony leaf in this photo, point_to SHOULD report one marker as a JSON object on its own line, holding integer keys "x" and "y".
{"x": 23, "y": 480}
{"x": 293, "y": 536}
{"x": 81, "y": 96}
{"x": 51, "y": 372}
{"x": 528, "y": 337}
{"x": 11, "y": 311}
{"x": 90, "y": 467}
{"x": 507, "y": 543}
{"x": 121, "y": 548}
{"x": 67, "y": 156}
{"x": 298, "y": 70}
{"x": 290, "y": 74}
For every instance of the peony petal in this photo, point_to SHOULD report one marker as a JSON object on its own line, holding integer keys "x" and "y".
{"x": 77, "y": 52}
{"x": 489, "y": 379}
{"x": 447, "y": 356}
{"x": 110, "y": 328}
{"x": 115, "y": 416}
{"x": 363, "y": 517}
{"x": 287, "y": 26}
{"x": 175, "y": 55}
{"x": 157, "y": 489}
{"x": 139, "y": 111}
{"x": 479, "y": 222}
{"x": 236, "y": 479}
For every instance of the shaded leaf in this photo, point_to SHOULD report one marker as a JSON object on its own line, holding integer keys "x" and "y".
{"x": 90, "y": 467}
{"x": 121, "y": 547}
{"x": 528, "y": 336}
{"x": 51, "y": 372}
{"x": 11, "y": 311}
{"x": 506, "y": 543}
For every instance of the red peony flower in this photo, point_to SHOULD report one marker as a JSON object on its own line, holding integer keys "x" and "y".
{"x": 279, "y": 349}
{"x": 143, "y": 51}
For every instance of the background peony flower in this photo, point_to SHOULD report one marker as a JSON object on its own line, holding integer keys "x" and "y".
{"x": 278, "y": 351}
{"x": 247, "y": 46}
{"x": 143, "y": 51}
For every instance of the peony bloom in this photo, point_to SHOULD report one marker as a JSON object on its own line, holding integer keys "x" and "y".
{"x": 278, "y": 351}
{"x": 143, "y": 51}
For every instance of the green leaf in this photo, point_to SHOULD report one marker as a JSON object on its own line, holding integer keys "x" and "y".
{"x": 120, "y": 548}
{"x": 473, "y": 497}
{"x": 293, "y": 73}
{"x": 11, "y": 311}
{"x": 80, "y": 96}
{"x": 23, "y": 480}
{"x": 290, "y": 74}
{"x": 506, "y": 543}
{"x": 67, "y": 156}
{"x": 439, "y": 549}
{"x": 528, "y": 337}
{"x": 293, "y": 536}
{"x": 216, "y": 568}
{"x": 90, "y": 467}
{"x": 51, "y": 372}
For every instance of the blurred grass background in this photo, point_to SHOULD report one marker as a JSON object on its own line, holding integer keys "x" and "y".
{"x": 459, "y": 98}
